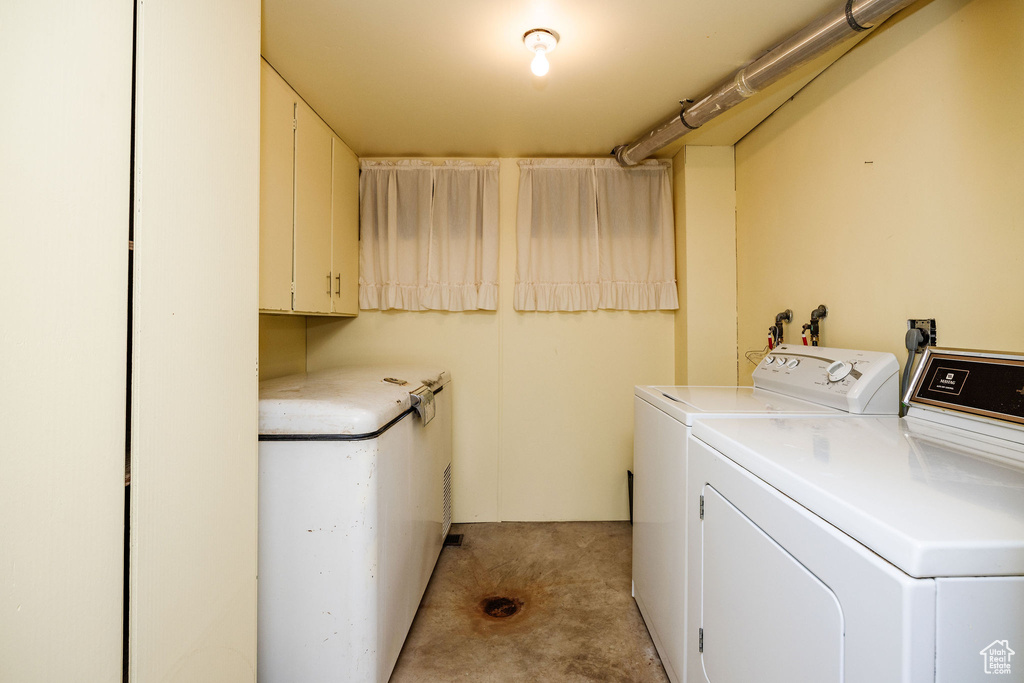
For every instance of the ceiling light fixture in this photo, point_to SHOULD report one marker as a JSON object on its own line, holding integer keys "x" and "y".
{"x": 540, "y": 41}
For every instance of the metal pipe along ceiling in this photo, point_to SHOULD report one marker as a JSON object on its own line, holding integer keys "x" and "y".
{"x": 815, "y": 39}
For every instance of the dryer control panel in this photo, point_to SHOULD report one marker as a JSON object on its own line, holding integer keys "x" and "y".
{"x": 855, "y": 381}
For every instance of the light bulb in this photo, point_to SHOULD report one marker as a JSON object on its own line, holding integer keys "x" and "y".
{"x": 540, "y": 41}
{"x": 539, "y": 66}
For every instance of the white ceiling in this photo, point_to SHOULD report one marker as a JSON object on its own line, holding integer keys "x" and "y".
{"x": 452, "y": 77}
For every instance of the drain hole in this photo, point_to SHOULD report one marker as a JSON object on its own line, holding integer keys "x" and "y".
{"x": 501, "y": 607}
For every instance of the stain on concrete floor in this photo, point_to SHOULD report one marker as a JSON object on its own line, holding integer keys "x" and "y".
{"x": 575, "y": 619}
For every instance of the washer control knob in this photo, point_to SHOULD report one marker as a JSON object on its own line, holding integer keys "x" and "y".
{"x": 769, "y": 360}
{"x": 793, "y": 362}
{"x": 838, "y": 371}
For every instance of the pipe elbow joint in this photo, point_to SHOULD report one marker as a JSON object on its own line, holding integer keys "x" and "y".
{"x": 622, "y": 156}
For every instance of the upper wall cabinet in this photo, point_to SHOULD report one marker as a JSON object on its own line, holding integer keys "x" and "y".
{"x": 309, "y": 208}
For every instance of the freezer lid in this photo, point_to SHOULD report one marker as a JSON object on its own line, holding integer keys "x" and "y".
{"x": 343, "y": 401}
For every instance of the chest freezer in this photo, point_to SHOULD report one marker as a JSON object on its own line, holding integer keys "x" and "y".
{"x": 354, "y": 506}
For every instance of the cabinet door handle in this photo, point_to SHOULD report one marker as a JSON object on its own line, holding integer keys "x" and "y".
{"x": 328, "y": 284}
{"x": 339, "y": 284}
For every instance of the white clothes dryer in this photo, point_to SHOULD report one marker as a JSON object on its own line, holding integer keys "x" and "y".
{"x": 874, "y": 550}
{"x": 792, "y": 381}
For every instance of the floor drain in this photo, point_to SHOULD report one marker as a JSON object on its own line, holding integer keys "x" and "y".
{"x": 501, "y": 607}
{"x": 453, "y": 539}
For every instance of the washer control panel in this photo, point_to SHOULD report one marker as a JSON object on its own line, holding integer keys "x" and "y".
{"x": 848, "y": 379}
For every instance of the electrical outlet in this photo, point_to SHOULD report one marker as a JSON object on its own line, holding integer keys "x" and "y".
{"x": 927, "y": 327}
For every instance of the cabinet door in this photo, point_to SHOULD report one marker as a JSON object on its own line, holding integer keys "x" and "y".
{"x": 345, "y": 230}
{"x": 277, "y": 150}
{"x": 312, "y": 212}
{"x": 193, "y": 555}
{"x": 64, "y": 175}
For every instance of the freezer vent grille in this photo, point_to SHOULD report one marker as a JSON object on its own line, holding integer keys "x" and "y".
{"x": 446, "y": 514}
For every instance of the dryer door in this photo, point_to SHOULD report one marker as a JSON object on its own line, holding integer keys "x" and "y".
{"x": 765, "y": 617}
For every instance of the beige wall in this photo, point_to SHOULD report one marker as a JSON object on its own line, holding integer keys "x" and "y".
{"x": 64, "y": 172}
{"x": 706, "y": 263}
{"x": 893, "y": 187}
{"x": 542, "y": 402}
{"x": 282, "y": 345}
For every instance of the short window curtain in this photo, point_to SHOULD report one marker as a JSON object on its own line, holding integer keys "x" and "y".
{"x": 591, "y": 234}
{"x": 428, "y": 235}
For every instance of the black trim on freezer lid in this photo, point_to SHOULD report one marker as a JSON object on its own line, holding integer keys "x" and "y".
{"x": 342, "y": 437}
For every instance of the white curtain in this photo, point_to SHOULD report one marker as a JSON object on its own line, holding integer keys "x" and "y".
{"x": 428, "y": 235}
{"x": 591, "y": 234}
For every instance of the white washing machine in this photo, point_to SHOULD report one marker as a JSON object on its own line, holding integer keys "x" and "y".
{"x": 864, "y": 551}
{"x": 792, "y": 381}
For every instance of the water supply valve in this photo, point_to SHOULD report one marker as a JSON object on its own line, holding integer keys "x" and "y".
{"x": 814, "y": 326}
{"x": 776, "y": 334}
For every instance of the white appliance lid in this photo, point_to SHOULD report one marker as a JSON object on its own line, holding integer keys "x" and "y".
{"x": 931, "y": 500}
{"x": 343, "y": 401}
{"x": 685, "y": 403}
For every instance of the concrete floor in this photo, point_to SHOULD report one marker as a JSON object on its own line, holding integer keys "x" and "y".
{"x": 577, "y": 620}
